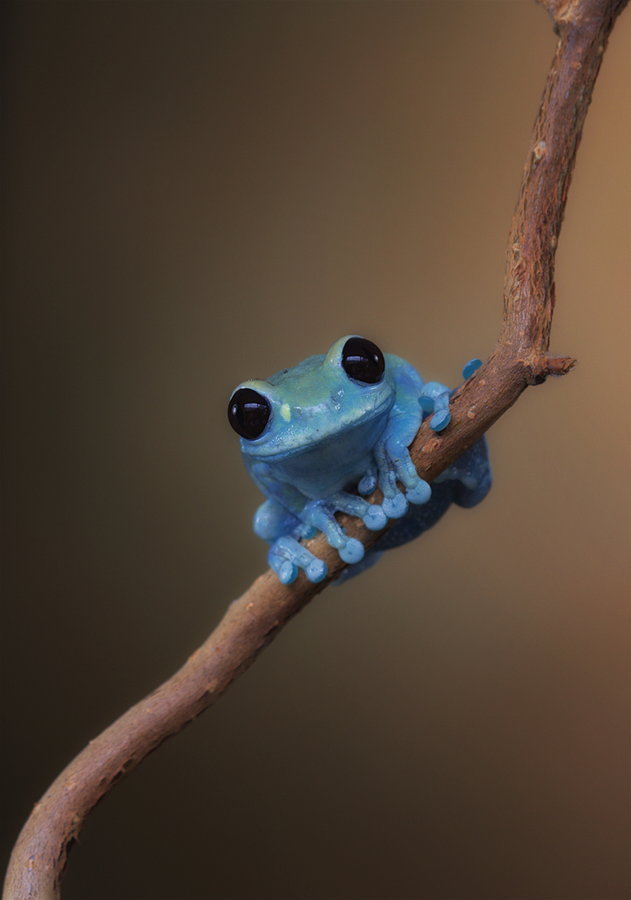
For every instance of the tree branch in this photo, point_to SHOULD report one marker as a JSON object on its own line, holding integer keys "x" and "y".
{"x": 519, "y": 359}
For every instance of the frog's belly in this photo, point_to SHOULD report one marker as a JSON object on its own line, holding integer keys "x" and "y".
{"x": 334, "y": 464}
{"x": 328, "y": 473}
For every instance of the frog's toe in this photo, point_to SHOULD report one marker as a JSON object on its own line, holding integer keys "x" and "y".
{"x": 395, "y": 506}
{"x": 469, "y": 368}
{"x": 420, "y": 493}
{"x": 281, "y": 563}
{"x": 367, "y": 484}
{"x": 287, "y": 572}
{"x": 375, "y": 518}
{"x": 316, "y": 570}
{"x": 352, "y": 551}
{"x": 440, "y": 420}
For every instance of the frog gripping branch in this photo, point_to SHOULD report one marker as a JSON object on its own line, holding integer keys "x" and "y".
{"x": 343, "y": 422}
{"x": 520, "y": 359}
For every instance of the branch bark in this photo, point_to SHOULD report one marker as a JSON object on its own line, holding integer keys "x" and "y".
{"x": 519, "y": 359}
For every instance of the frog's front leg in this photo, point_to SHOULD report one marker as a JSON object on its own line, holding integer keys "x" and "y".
{"x": 321, "y": 515}
{"x": 287, "y": 556}
{"x": 434, "y": 397}
{"x": 288, "y": 516}
{"x": 395, "y": 465}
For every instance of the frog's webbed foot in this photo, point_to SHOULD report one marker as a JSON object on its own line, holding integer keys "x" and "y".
{"x": 286, "y": 557}
{"x": 434, "y": 398}
{"x": 284, "y": 530}
{"x": 395, "y": 465}
{"x": 321, "y": 515}
{"x": 371, "y": 514}
{"x": 473, "y": 474}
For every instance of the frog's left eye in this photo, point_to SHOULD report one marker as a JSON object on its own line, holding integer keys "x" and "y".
{"x": 363, "y": 361}
{"x": 248, "y": 413}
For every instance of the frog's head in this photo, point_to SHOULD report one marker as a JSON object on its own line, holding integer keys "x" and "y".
{"x": 315, "y": 402}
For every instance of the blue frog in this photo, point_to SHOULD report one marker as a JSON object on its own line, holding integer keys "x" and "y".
{"x": 338, "y": 423}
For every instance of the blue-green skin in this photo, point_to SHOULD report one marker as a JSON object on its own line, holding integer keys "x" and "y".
{"x": 328, "y": 434}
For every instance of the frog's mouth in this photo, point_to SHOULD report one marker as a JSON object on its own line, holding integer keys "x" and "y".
{"x": 352, "y": 436}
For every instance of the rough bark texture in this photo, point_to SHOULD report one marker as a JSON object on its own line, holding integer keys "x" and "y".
{"x": 519, "y": 359}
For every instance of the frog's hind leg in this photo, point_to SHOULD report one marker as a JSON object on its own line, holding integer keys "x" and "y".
{"x": 272, "y": 520}
{"x": 472, "y": 474}
{"x": 287, "y": 556}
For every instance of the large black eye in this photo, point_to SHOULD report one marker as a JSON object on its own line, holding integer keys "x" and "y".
{"x": 363, "y": 361}
{"x": 248, "y": 413}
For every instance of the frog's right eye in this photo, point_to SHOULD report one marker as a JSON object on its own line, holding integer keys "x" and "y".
{"x": 248, "y": 413}
{"x": 363, "y": 361}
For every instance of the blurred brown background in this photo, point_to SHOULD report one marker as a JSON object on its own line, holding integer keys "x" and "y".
{"x": 204, "y": 192}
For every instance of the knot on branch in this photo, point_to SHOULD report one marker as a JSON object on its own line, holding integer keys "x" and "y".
{"x": 537, "y": 370}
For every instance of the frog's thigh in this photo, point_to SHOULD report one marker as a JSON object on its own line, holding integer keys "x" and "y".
{"x": 271, "y": 521}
